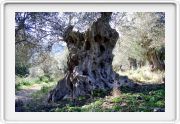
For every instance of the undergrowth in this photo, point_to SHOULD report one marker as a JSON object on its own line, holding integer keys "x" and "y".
{"x": 142, "y": 98}
{"x": 25, "y": 82}
{"x": 128, "y": 101}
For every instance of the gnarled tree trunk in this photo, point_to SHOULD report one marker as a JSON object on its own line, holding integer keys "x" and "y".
{"x": 90, "y": 60}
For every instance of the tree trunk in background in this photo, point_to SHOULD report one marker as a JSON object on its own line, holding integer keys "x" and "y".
{"x": 90, "y": 60}
{"x": 154, "y": 60}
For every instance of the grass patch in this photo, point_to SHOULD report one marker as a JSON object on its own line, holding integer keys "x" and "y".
{"x": 145, "y": 101}
{"x": 116, "y": 108}
{"x": 25, "y": 82}
{"x": 44, "y": 78}
{"x": 22, "y": 83}
{"x": 116, "y": 99}
{"x": 99, "y": 93}
{"x": 68, "y": 108}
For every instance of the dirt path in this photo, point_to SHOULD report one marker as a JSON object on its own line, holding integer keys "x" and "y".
{"x": 24, "y": 95}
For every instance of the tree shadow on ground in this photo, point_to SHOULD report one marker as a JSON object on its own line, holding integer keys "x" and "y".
{"x": 141, "y": 88}
{"x": 22, "y": 98}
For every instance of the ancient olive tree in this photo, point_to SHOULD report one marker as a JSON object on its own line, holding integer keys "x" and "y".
{"x": 90, "y": 60}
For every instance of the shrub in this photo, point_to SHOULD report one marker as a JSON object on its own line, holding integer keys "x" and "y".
{"x": 98, "y": 103}
{"x": 116, "y": 108}
{"x": 45, "y": 89}
{"x": 99, "y": 93}
{"x": 25, "y": 83}
{"x": 74, "y": 109}
{"x": 44, "y": 78}
{"x": 51, "y": 79}
{"x": 36, "y": 81}
{"x": 22, "y": 82}
{"x": 21, "y": 70}
{"x": 117, "y": 99}
{"x": 18, "y": 86}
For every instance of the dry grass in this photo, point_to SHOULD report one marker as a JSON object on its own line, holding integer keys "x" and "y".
{"x": 144, "y": 75}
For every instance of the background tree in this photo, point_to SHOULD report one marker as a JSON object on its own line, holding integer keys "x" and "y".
{"x": 142, "y": 38}
{"x": 36, "y": 33}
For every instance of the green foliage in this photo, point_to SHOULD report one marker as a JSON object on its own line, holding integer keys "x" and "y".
{"x": 36, "y": 81}
{"x": 99, "y": 93}
{"x": 46, "y": 78}
{"x": 134, "y": 99}
{"x": 44, "y": 81}
{"x": 116, "y": 108}
{"x": 98, "y": 102}
{"x": 81, "y": 98}
{"x": 117, "y": 99}
{"x": 93, "y": 107}
{"x": 68, "y": 108}
{"x": 26, "y": 83}
{"x": 43, "y": 78}
{"x": 129, "y": 101}
{"x": 21, "y": 70}
{"x": 133, "y": 102}
{"x": 19, "y": 85}
{"x": 44, "y": 91}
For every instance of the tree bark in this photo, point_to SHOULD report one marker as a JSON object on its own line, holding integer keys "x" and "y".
{"x": 154, "y": 60}
{"x": 90, "y": 60}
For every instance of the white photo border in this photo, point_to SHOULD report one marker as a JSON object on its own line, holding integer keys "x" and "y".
{"x": 1, "y": 65}
{"x": 7, "y": 114}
